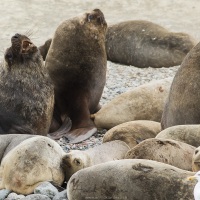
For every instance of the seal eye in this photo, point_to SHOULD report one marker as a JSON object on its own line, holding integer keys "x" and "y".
{"x": 77, "y": 161}
{"x": 196, "y": 151}
{"x": 90, "y": 17}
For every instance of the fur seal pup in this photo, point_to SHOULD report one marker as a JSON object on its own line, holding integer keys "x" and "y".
{"x": 196, "y": 160}
{"x": 182, "y": 105}
{"x": 76, "y": 62}
{"x": 131, "y": 180}
{"x": 144, "y": 102}
{"x": 189, "y": 134}
{"x": 133, "y": 132}
{"x": 146, "y": 44}
{"x": 77, "y": 160}
{"x": 26, "y": 88}
{"x": 171, "y": 152}
{"x": 32, "y": 162}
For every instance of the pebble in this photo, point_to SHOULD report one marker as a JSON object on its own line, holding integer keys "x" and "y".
{"x": 14, "y": 196}
{"x": 47, "y": 189}
{"x": 4, "y": 193}
{"x": 36, "y": 197}
{"x": 61, "y": 195}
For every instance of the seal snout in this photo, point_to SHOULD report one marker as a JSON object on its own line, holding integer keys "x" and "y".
{"x": 97, "y": 15}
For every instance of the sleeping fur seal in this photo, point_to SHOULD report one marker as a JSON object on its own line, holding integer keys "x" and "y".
{"x": 77, "y": 160}
{"x": 26, "y": 89}
{"x": 131, "y": 180}
{"x": 146, "y": 44}
{"x": 32, "y": 162}
{"x": 133, "y": 132}
{"x": 182, "y": 105}
{"x": 171, "y": 152}
{"x": 76, "y": 62}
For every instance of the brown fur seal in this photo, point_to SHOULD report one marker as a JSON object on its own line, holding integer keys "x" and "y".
{"x": 77, "y": 160}
{"x": 145, "y": 44}
{"x": 76, "y": 62}
{"x": 189, "y": 134}
{"x": 182, "y": 105}
{"x": 145, "y": 102}
{"x": 171, "y": 152}
{"x": 32, "y": 162}
{"x": 196, "y": 160}
{"x": 26, "y": 88}
{"x": 131, "y": 180}
{"x": 133, "y": 132}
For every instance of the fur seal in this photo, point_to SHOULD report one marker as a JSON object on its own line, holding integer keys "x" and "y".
{"x": 76, "y": 62}
{"x": 77, "y": 160}
{"x": 171, "y": 152}
{"x": 10, "y": 141}
{"x": 133, "y": 132}
{"x": 145, "y": 102}
{"x": 196, "y": 160}
{"x": 182, "y": 105}
{"x": 131, "y": 180}
{"x": 26, "y": 89}
{"x": 189, "y": 134}
{"x": 32, "y": 162}
{"x": 146, "y": 44}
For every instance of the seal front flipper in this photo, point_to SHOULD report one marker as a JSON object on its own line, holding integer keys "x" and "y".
{"x": 80, "y": 134}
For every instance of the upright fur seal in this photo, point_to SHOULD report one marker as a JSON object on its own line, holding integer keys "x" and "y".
{"x": 182, "y": 105}
{"x": 146, "y": 44}
{"x": 76, "y": 62}
{"x": 26, "y": 89}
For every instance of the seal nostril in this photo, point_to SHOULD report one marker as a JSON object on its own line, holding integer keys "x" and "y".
{"x": 16, "y": 36}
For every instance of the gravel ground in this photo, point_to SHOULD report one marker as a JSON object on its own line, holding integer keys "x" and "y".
{"x": 120, "y": 78}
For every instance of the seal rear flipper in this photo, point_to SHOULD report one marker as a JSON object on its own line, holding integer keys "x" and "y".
{"x": 80, "y": 134}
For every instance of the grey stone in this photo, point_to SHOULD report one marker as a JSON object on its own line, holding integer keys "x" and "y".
{"x": 36, "y": 197}
{"x": 4, "y": 193}
{"x": 14, "y": 196}
{"x": 47, "y": 189}
{"x": 61, "y": 195}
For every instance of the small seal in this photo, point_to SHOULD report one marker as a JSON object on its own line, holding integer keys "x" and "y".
{"x": 146, "y": 44}
{"x": 26, "y": 89}
{"x": 182, "y": 105}
{"x": 77, "y": 62}
{"x": 77, "y": 160}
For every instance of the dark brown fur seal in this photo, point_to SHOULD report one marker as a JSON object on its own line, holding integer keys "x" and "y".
{"x": 182, "y": 105}
{"x": 145, "y": 44}
{"x": 26, "y": 89}
{"x": 76, "y": 62}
